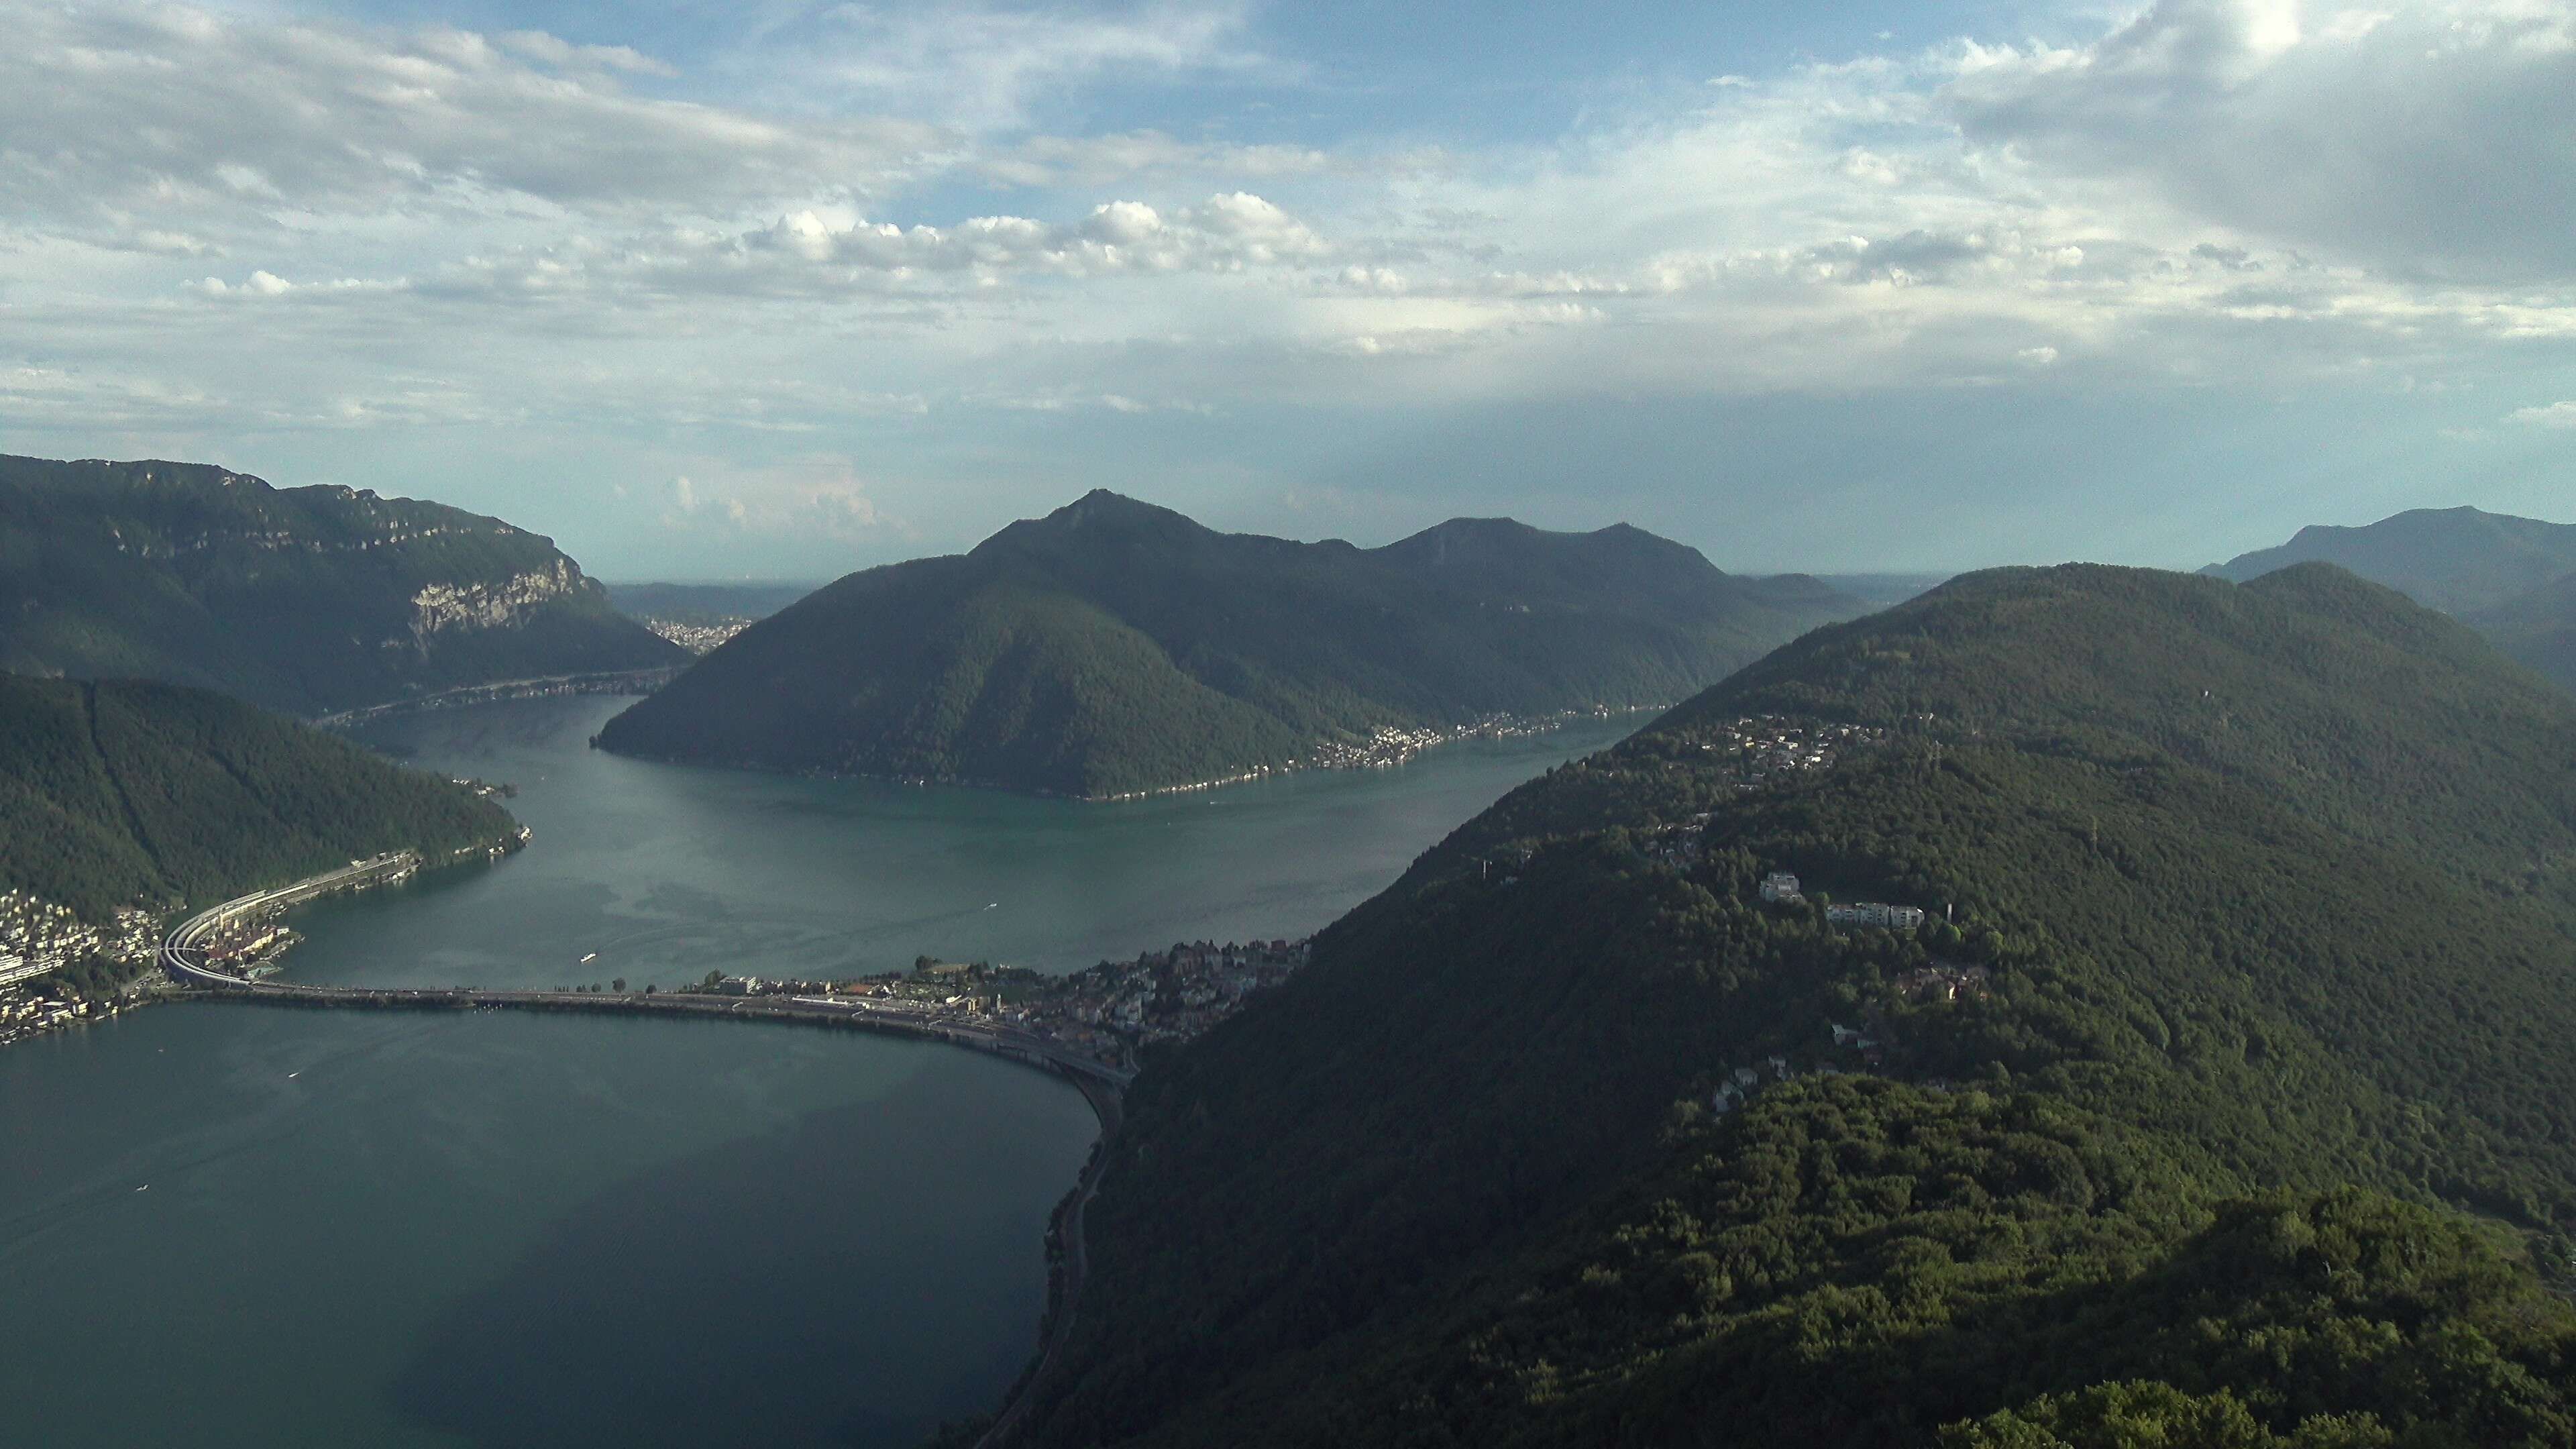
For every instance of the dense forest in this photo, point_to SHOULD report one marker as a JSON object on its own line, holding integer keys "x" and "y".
{"x": 307, "y": 600}
{"x": 121, "y": 793}
{"x": 2227, "y": 1095}
{"x": 1113, "y": 646}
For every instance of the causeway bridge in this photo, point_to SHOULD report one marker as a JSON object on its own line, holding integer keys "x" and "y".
{"x": 184, "y": 958}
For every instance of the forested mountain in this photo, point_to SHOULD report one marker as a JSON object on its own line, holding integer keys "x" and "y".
{"x": 307, "y": 600}
{"x": 2513, "y": 579}
{"x": 2226, "y": 1097}
{"x": 1113, "y": 646}
{"x": 125, "y": 793}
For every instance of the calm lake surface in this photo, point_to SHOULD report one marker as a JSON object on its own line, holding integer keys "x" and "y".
{"x": 251, "y": 1225}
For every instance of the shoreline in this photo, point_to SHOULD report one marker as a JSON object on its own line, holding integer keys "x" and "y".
{"x": 1517, "y": 728}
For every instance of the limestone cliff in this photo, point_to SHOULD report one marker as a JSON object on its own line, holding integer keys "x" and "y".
{"x": 309, "y": 600}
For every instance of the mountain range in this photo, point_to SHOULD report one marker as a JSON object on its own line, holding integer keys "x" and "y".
{"x": 2225, "y": 1094}
{"x": 2513, "y": 579}
{"x": 1113, "y": 647}
{"x": 306, "y": 600}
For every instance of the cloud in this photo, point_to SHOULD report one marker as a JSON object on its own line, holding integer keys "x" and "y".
{"x": 985, "y": 68}
{"x": 809, "y": 253}
{"x": 2428, "y": 139}
{"x": 538, "y": 246}
{"x": 316, "y": 117}
{"x": 2550, "y": 415}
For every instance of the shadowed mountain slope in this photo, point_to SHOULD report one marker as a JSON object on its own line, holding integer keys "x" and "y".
{"x": 2228, "y": 1094}
{"x": 121, "y": 793}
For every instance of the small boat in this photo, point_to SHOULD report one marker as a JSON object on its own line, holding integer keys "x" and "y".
{"x": 586, "y": 960}
{"x": 291, "y": 1076}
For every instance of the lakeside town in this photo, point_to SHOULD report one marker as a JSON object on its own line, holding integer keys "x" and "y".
{"x": 1389, "y": 746}
{"x": 1108, "y": 1012}
{"x": 698, "y": 638}
{"x": 47, "y": 957}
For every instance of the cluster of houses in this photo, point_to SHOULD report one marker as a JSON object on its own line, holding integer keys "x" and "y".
{"x": 698, "y": 638}
{"x": 1162, "y": 995}
{"x": 1782, "y": 888}
{"x": 1760, "y": 746}
{"x": 1106, "y": 1010}
{"x": 38, "y": 938}
{"x": 1942, "y": 981}
{"x": 24, "y": 1014}
{"x": 1874, "y": 913}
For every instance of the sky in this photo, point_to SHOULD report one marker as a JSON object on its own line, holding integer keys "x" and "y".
{"x": 780, "y": 290}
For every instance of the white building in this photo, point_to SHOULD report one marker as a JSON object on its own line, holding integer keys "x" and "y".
{"x": 1779, "y": 885}
{"x": 1875, "y": 913}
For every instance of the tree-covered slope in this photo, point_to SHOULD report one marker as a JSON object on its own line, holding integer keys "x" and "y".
{"x": 2254, "y": 1119}
{"x": 123, "y": 793}
{"x": 1113, "y": 646}
{"x": 307, "y": 600}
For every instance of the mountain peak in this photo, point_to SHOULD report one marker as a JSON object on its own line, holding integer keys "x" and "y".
{"x": 1100, "y": 518}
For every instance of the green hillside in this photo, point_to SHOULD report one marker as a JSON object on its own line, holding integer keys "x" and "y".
{"x": 2511, "y": 579}
{"x": 2252, "y": 1122}
{"x": 307, "y": 600}
{"x": 121, "y": 793}
{"x": 1113, "y": 646}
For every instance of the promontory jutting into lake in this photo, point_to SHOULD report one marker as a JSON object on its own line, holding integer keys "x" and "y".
{"x": 1198, "y": 725}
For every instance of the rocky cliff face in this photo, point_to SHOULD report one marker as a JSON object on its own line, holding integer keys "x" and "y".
{"x": 511, "y": 602}
{"x": 306, "y": 599}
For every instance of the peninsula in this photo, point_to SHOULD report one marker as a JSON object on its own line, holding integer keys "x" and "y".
{"x": 1113, "y": 648}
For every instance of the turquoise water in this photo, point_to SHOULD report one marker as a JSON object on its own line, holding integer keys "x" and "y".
{"x": 249, "y": 1225}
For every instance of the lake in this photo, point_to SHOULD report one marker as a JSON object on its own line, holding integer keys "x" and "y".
{"x": 252, "y": 1225}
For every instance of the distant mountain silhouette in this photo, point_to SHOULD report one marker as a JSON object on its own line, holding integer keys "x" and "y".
{"x": 2453, "y": 559}
{"x": 2514, "y": 579}
{"x": 1115, "y": 646}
